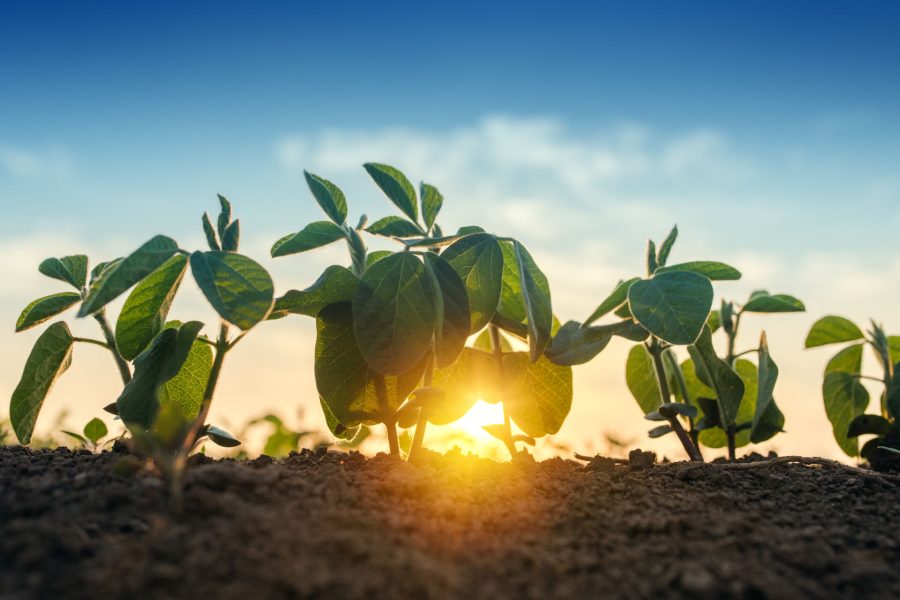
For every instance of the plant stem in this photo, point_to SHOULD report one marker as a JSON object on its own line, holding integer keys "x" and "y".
{"x": 221, "y": 351}
{"x": 661, "y": 380}
{"x": 90, "y": 341}
{"x": 422, "y": 422}
{"x": 121, "y": 363}
{"x": 497, "y": 348}
{"x": 669, "y": 356}
{"x": 732, "y": 339}
{"x": 729, "y": 433}
{"x": 390, "y": 420}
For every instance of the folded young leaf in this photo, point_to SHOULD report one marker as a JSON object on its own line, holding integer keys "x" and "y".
{"x": 432, "y": 200}
{"x": 394, "y": 226}
{"x": 95, "y": 430}
{"x": 329, "y": 197}
{"x": 666, "y": 247}
{"x": 396, "y": 187}
{"x": 728, "y": 384}
{"x": 768, "y": 420}
{"x": 575, "y": 344}
{"x": 49, "y": 358}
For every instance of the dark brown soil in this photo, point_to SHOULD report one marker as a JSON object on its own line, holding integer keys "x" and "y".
{"x": 343, "y": 526}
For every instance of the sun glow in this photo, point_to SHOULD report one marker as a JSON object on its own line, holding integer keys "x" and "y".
{"x": 468, "y": 434}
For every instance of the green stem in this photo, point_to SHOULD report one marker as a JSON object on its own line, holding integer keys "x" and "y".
{"x": 732, "y": 339}
{"x": 497, "y": 348}
{"x": 422, "y": 422}
{"x": 390, "y": 420}
{"x": 200, "y": 421}
{"x": 121, "y": 363}
{"x": 669, "y": 356}
{"x": 90, "y": 341}
{"x": 653, "y": 347}
{"x": 729, "y": 433}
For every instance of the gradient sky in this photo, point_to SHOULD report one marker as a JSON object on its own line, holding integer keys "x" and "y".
{"x": 767, "y": 130}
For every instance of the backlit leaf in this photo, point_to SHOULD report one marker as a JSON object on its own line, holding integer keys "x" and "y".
{"x": 640, "y": 377}
{"x": 314, "y": 235}
{"x": 716, "y": 271}
{"x": 715, "y": 437}
{"x": 845, "y": 399}
{"x": 537, "y": 395}
{"x": 672, "y": 306}
{"x": 763, "y": 302}
{"x": 472, "y": 377}
{"x": 832, "y": 330}
{"x": 188, "y": 387}
{"x": 396, "y": 187}
{"x": 69, "y": 269}
{"x": 478, "y": 260}
{"x": 95, "y": 430}
{"x": 728, "y": 385}
{"x": 329, "y": 197}
{"x": 666, "y": 247}
{"x": 616, "y": 299}
{"x": 336, "y": 284}
{"x": 394, "y": 226}
{"x": 768, "y": 420}
{"x": 575, "y": 344}
{"x": 46, "y": 308}
{"x": 238, "y": 288}
{"x": 452, "y": 310}
{"x": 432, "y": 200}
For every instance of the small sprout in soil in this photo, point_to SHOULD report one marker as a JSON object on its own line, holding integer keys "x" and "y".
{"x": 845, "y": 396}
{"x": 91, "y": 436}
{"x": 392, "y": 328}
{"x": 668, "y": 307}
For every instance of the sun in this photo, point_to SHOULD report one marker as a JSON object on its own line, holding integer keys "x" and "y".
{"x": 468, "y": 432}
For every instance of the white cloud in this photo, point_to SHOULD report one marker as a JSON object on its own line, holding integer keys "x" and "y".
{"x": 53, "y": 161}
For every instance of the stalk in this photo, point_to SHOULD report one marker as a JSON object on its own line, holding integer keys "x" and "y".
{"x": 110, "y": 337}
{"x": 221, "y": 350}
{"x": 682, "y": 387}
{"x": 729, "y": 433}
{"x": 662, "y": 382}
{"x": 497, "y": 349}
{"x": 390, "y": 422}
{"x": 422, "y": 422}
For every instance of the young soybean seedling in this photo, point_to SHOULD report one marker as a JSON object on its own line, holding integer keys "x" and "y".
{"x": 386, "y": 336}
{"x": 846, "y": 398}
{"x": 53, "y": 350}
{"x": 173, "y": 363}
{"x": 734, "y": 396}
{"x": 91, "y": 437}
{"x": 666, "y": 308}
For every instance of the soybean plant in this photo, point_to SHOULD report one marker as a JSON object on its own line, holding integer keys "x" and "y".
{"x": 392, "y": 329}
{"x": 846, "y": 398}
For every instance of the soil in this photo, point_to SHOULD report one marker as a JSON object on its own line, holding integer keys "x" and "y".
{"x": 336, "y": 525}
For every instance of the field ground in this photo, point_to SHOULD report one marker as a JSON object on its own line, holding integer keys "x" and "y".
{"x": 334, "y": 525}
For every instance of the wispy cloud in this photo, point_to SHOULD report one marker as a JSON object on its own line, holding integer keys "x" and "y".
{"x": 52, "y": 161}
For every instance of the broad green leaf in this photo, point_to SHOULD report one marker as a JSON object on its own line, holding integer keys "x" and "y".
{"x": 347, "y": 385}
{"x": 394, "y": 226}
{"x": 716, "y": 271}
{"x": 374, "y": 257}
{"x": 616, "y": 299}
{"x": 640, "y": 377}
{"x": 536, "y": 296}
{"x": 46, "y": 308}
{"x": 473, "y": 376}
{"x": 666, "y": 247}
{"x": 701, "y": 395}
{"x": 848, "y": 360}
{"x": 237, "y": 287}
{"x": 672, "y": 306}
{"x": 432, "y": 200}
{"x": 451, "y": 310}
{"x": 768, "y": 420}
{"x": 845, "y": 399}
{"x": 832, "y": 330}
{"x": 338, "y": 430}
{"x": 95, "y": 430}
{"x": 132, "y": 269}
{"x": 394, "y": 314}
{"x": 69, "y": 269}
{"x": 232, "y": 236}
{"x": 336, "y": 284}
{"x": 314, "y": 235}
{"x": 715, "y": 437}
{"x": 575, "y": 344}
{"x": 868, "y": 424}
{"x": 763, "y": 302}
{"x": 212, "y": 238}
{"x": 537, "y": 395}
{"x": 478, "y": 260}
{"x": 49, "y": 358}
{"x": 396, "y": 187}
{"x": 329, "y": 197}
{"x": 728, "y": 384}
{"x": 188, "y": 387}
{"x": 147, "y": 307}
{"x": 140, "y": 400}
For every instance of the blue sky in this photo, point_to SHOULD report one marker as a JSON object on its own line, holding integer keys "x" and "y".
{"x": 770, "y": 131}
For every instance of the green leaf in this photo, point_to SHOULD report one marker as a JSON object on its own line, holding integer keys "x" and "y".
{"x": 451, "y": 309}
{"x": 314, "y": 235}
{"x": 140, "y": 400}
{"x": 396, "y": 187}
{"x": 347, "y": 385}
{"x": 762, "y": 302}
{"x": 147, "y": 307}
{"x": 868, "y": 424}
{"x": 220, "y": 437}
{"x": 472, "y": 377}
{"x": 232, "y": 236}
{"x": 714, "y": 321}
{"x": 224, "y": 215}
{"x": 483, "y": 342}
{"x": 120, "y": 276}
{"x": 432, "y": 200}
{"x": 575, "y": 344}
{"x": 768, "y": 420}
{"x": 651, "y": 257}
{"x": 329, "y": 197}
{"x": 716, "y": 271}
{"x": 894, "y": 348}
{"x": 76, "y": 436}
{"x": 49, "y": 358}
{"x": 848, "y": 360}
{"x": 188, "y": 387}
{"x": 374, "y": 257}
{"x": 535, "y": 291}
{"x": 715, "y": 437}
{"x": 478, "y": 260}
{"x": 672, "y": 306}
{"x": 672, "y": 409}
{"x": 237, "y": 287}
{"x": 640, "y": 377}
{"x": 95, "y": 430}
{"x": 892, "y": 398}
{"x": 537, "y": 395}
{"x": 69, "y": 269}
{"x": 616, "y": 299}
{"x": 832, "y": 330}
{"x": 336, "y": 284}
{"x": 46, "y": 308}
{"x": 394, "y": 226}
{"x": 666, "y": 247}
{"x": 728, "y": 384}
{"x": 845, "y": 399}
{"x": 212, "y": 239}
{"x": 658, "y": 432}
{"x": 339, "y": 431}
{"x": 100, "y": 268}
{"x": 394, "y": 314}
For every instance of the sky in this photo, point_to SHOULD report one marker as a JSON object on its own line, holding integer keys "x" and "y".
{"x": 767, "y": 130}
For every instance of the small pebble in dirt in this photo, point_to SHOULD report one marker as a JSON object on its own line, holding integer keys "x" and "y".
{"x": 638, "y": 459}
